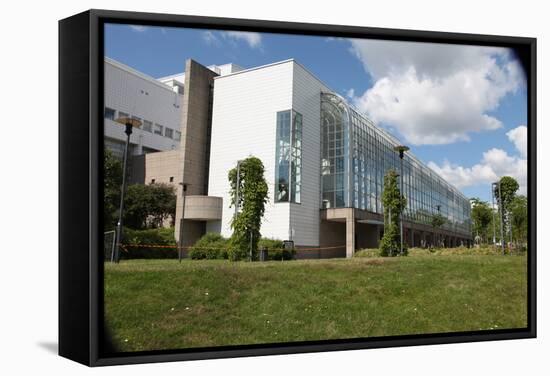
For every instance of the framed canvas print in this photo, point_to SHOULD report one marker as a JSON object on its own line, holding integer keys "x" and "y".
{"x": 239, "y": 187}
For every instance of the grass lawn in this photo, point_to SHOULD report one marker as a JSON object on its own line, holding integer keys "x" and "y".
{"x": 163, "y": 304}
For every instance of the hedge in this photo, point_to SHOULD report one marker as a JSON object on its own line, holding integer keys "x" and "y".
{"x": 210, "y": 246}
{"x": 163, "y": 236}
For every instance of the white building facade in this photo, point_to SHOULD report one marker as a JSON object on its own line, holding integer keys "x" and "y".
{"x": 129, "y": 92}
{"x": 245, "y": 112}
{"x": 157, "y": 103}
{"x": 324, "y": 164}
{"x": 324, "y": 161}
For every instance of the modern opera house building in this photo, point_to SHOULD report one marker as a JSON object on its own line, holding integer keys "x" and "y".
{"x": 324, "y": 163}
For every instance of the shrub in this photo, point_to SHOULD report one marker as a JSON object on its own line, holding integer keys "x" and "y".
{"x": 235, "y": 252}
{"x": 210, "y": 246}
{"x": 276, "y": 249}
{"x": 390, "y": 244}
{"x": 367, "y": 252}
{"x": 163, "y": 236}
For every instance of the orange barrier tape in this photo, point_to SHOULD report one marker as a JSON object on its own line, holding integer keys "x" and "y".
{"x": 188, "y": 247}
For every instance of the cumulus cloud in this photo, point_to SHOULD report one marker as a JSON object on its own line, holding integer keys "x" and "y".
{"x": 254, "y": 40}
{"x": 494, "y": 164}
{"x": 210, "y": 38}
{"x": 519, "y": 137}
{"x": 435, "y": 93}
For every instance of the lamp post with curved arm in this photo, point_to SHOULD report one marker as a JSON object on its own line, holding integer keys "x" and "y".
{"x": 129, "y": 123}
{"x": 401, "y": 149}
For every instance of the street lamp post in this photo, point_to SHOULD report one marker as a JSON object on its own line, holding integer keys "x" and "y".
{"x": 501, "y": 217}
{"x": 129, "y": 123}
{"x": 438, "y": 206}
{"x": 183, "y": 190}
{"x": 401, "y": 149}
{"x": 493, "y": 186}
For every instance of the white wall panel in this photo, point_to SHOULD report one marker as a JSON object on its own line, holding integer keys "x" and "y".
{"x": 244, "y": 124}
{"x": 134, "y": 93}
{"x": 306, "y": 100}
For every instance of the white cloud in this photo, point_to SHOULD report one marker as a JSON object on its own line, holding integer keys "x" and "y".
{"x": 519, "y": 137}
{"x": 435, "y": 93}
{"x": 350, "y": 93}
{"x": 494, "y": 164}
{"x": 138, "y": 28}
{"x": 254, "y": 40}
{"x": 210, "y": 38}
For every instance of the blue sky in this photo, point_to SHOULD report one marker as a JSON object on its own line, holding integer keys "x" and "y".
{"x": 462, "y": 109}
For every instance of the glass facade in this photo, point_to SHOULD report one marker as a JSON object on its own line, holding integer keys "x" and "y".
{"x": 355, "y": 155}
{"x": 288, "y": 163}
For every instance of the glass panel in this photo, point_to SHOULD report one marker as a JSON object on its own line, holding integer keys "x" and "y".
{"x": 109, "y": 113}
{"x": 169, "y": 132}
{"x": 158, "y": 129}
{"x": 282, "y": 157}
{"x": 353, "y": 172}
{"x": 147, "y": 126}
{"x": 288, "y": 166}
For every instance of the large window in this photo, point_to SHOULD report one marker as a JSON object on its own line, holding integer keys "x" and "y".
{"x": 288, "y": 157}
{"x": 355, "y": 156}
{"x": 335, "y": 153}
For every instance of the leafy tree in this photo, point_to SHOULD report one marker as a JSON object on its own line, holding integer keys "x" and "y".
{"x": 481, "y": 218}
{"x": 394, "y": 203}
{"x": 148, "y": 206}
{"x": 505, "y": 196}
{"x": 437, "y": 221}
{"x": 494, "y": 225}
{"x": 252, "y": 197}
{"x": 112, "y": 179}
{"x": 518, "y": 209}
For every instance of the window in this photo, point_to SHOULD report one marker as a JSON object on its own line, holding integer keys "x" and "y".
{"x": 147, "y": 126}
{"x": 158, "y": 129}
{"x": 152, "y": 181}
{"x": 109, "y": 113}
{"x": 296, "y": 158}
{"x": 169, "y": 132}
{"x": 171, "y": 179}
{"x": 122, "y": 114}
{"x": 288, "y": 162}
{"x": 177, "y": 136}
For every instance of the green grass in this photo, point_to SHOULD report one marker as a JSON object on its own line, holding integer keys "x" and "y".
{"x": 163, "y": 304}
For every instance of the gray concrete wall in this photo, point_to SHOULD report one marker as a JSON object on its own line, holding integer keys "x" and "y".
{"x": 195, "y": 143}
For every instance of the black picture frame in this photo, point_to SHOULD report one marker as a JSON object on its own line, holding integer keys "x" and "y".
{"x": 80, "y": 171}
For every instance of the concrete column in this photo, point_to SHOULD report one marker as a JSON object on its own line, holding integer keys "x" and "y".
{"x": 350, "y": 233}
{"x": 412, "y": 238}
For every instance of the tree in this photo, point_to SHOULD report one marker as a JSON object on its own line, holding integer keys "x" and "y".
{"x": 112, "y": 179}
{"x": 481, "y": 218}
{"x": 148, "y": 206}
{"x": 505, "y": 192}
{"x": 437, "y": 221}
{"x": 518, "y": 209}
{"x": 251, "y": 199}
{"x": 394, "y": 203}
